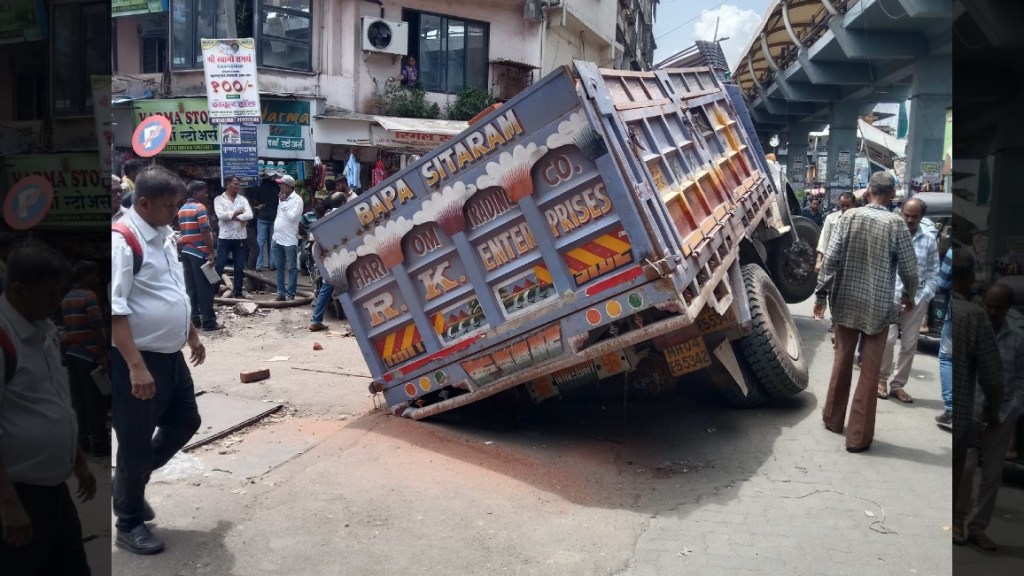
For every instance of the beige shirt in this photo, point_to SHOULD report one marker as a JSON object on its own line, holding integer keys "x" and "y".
{"x": 38, "y": 428}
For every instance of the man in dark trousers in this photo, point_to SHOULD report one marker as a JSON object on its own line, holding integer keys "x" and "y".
{"x": 858, "y": 278}
{"x": 196, "y": 247}
{"x": 265, "y": 205}
{"x": 976, "y": 364}
{"x": 85, "y": 337}
{"x": 152, "y": 388}
{"x": 42, "y": 533}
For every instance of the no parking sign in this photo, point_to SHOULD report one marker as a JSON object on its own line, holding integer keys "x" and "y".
{"x": 151, "y": 135}
{"x": 28, "y": 202}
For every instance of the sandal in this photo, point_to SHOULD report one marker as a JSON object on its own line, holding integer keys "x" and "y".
{"x": 901, "y": 395}
{"x": 883, "y": 390}
{"x": 958, "y": 535}
{"x": 983, "y": 541}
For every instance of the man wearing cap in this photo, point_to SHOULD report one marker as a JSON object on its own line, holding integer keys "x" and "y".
{"x": 286, "y": 238}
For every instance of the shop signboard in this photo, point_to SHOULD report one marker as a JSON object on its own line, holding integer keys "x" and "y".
{"x": 22, "y": 21}
{"x": 192, "y": 133}
{"x": 232, "y": 93}
{"x": 79, "y": 195}
{"x": 284, "y": 131}
{"x": 420, "y": 142}
{"x": 133, "y": 7}
{"x": 238, "y": 156}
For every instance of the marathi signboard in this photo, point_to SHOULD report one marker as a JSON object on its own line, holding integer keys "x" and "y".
{"x": 413, "y": 141}
{"x": 238, "y": 155}
{"x": 285, "y": 129}
{"x": 133, "y": 7}
{"x": 232, "y": 94}
{"x": 193, "y": 134}
{"x": 22, "y": 21}
{"x": 80, "y": 197}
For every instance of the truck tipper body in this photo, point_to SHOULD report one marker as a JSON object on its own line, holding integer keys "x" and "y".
{"x": 599, "y": 222}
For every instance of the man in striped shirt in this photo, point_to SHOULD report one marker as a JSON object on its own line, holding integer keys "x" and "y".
{"x": 196, "y": 248}
{"x": 86, "y": 349}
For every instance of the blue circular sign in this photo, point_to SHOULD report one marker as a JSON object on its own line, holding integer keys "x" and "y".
{"x": 151, "y": 136}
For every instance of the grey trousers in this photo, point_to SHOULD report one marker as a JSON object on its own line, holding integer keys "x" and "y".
{"x": 993, "y": 455}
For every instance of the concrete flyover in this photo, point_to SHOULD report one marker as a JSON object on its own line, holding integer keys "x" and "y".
{"x": 814, "y": 63}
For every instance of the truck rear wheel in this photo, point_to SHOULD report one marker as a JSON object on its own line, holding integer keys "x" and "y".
{"x": 735, "y": 396}
{"x": 791, "y": 263}
{"x": 772, "y": 350}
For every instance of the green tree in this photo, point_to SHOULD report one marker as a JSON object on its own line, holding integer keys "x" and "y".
{"x": 468, "y": 104}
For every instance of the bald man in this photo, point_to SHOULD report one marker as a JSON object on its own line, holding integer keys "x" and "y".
{"x": 908, "y": 330}
{"x": 993, "y": 443}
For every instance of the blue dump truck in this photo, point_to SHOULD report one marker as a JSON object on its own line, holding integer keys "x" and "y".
{"x": 601, "y": 222}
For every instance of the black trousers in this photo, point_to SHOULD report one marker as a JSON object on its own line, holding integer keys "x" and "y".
{"x": 56, "y": 548}
{"x": 200, "y": 291}
{"x": 238, "y": 253}
{"x": 172, "y": 413}
{"x": 90, "y": 405}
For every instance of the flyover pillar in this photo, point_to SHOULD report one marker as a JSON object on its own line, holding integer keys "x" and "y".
{"x": 931, "y": 93}
{"x": 842, "y": 149}
{"x": 1005, "y": 202}
{"x": 796, "y": 155}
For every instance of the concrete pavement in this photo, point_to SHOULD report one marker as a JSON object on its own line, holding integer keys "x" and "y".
{"x": 619, "y": 486}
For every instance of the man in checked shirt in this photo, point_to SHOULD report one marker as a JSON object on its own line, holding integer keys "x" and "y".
{"x": 975, "y": 360}
{"x": 858, "y": 277}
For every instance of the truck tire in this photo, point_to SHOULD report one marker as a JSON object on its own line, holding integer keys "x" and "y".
{"x": 772, "y": 350}
{"x": 733, "y": 394}
{"x": 791, "y": 264}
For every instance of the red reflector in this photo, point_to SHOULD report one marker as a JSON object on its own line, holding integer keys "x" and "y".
{"x": 613, "y": 281}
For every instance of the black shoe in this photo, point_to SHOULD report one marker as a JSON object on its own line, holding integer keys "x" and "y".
{"x": 139, "y": 541}
{"x": 291, "y": 297}
{"x": 945, "y": 420}
{"x": 213, "y": 328}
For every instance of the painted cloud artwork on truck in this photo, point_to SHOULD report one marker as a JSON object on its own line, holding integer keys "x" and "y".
{"x": 386, "y": 241}
{"x": 512, "y": 171}
{"x": 577, "y": 130}
{"x": 336, "y": 262}
{"x": 445, "y": 208}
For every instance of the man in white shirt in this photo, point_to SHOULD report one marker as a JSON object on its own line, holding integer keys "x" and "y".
{"x": 39, "y": 451}
{"x": 151, "y": 384}
{"x": 845, "y": 203}
{"x": 286, "y": 238}
{"x": 926, "y": 250}
{"x": 233, "y": 212}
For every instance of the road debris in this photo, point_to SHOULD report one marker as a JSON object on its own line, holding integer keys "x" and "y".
{"x": 254, "y": 375}
{"x": 317, "y": 346}
{"x": 245, "y": 308}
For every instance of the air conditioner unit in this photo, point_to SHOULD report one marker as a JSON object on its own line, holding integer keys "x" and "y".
{"x": 385, "y": 36}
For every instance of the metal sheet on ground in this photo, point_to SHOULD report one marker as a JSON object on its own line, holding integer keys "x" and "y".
{"x": 268, "y": 447}
{"x": 220, "y": 414}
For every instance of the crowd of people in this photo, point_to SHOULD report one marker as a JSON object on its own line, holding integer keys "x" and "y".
{"x": 264, "y": 228}
{"x": 878, "y": 271}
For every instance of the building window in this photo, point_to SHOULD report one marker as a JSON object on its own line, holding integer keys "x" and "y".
{"x": 153, "y": 43}
{"x": 81, "y": 48}
{"x": 30, "y": 95}
{"x": 192, "y": 20}
{"x": 451, "y": 52}
{"x": 284, "y": 30}
{"x": 286, "y": 34}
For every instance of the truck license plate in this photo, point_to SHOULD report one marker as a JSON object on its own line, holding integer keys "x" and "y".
{"x": 710, "y": 322}
{"x": 687, "y": 357}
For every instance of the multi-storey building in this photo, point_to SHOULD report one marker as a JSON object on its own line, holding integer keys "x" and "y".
{"x": 324, "y": 67}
